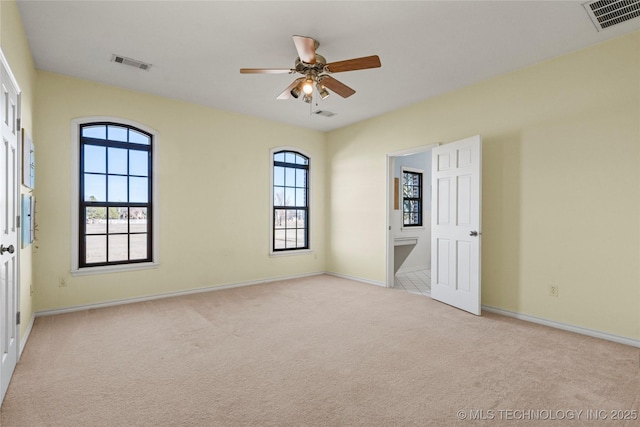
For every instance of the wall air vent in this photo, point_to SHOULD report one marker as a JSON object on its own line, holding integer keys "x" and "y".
{"x": 132, "y": 62}
{"x": 607, "y": 13}
{"x": 324, "y": 113}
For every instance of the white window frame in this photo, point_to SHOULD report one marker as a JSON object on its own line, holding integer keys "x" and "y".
{"x": 292, "y": 252}
{"x": 75, "y": 189}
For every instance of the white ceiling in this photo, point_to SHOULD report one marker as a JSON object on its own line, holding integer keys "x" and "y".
{"x": 196, "y": 48}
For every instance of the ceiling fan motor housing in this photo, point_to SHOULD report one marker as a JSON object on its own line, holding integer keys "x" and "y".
{"x": 311, "y": 69}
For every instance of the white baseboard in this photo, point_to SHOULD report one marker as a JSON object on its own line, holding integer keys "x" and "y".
{"x": 112, "y": 303}
{"x": 564, "y": 326}
{"x": 23, "y": 341}
{"x": 357, "y": 279}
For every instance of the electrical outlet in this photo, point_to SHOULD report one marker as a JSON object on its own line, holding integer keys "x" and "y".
{"x": 554, "y": 290}
{"x": 61, "y": 282}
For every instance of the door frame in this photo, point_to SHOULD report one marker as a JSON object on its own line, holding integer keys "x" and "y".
{"x": 18, "y": 192}
{"x": 390, "y": 271}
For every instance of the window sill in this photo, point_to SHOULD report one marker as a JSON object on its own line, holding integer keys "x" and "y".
{"x": 290, "y": 253}
{"x": 87, "y": 271}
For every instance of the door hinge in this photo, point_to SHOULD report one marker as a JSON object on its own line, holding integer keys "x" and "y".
{"x": 17, "y": 318}
{"x": 18, "y": 221}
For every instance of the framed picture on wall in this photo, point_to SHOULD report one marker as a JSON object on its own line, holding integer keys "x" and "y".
{"x": 28, "y": 161}
{"x": 27, "y": 220}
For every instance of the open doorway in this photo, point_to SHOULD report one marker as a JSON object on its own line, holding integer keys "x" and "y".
{"x": 409, "y": 220}
{"x": 454, "y": 228}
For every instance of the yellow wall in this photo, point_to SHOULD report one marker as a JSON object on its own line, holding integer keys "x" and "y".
{"x": 214, "y": 194}
{"x": 16, "y": 50}
{"x": 561, "y": 175}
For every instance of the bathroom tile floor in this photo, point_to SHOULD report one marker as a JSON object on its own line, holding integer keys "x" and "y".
{"x": 415, "y": 282}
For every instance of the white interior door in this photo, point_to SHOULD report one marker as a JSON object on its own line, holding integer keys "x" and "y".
{"x": 456, "y": 223}
{"x": 8, "y": 228}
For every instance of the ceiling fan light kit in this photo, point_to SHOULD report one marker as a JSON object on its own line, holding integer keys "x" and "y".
{"x": 316, "y": 70}
{"x": 322, "y": 91}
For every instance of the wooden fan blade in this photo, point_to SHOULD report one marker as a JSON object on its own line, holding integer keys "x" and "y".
{"x": 306, "y": 47}
{"x": 266, "y": 71}
{"x": 340, "y": 88}
{"x": 354, "y": 64}
{"x": 286, "y": 94}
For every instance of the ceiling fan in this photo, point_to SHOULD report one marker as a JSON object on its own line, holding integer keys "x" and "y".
{"x": 316, "y": 71}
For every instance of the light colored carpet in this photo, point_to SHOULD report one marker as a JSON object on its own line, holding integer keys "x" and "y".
{"x": 318, "y": 351}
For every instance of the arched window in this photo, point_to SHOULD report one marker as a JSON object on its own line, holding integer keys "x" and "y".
{"x": 115, "y": 197}
{"x": 290, "y": 201}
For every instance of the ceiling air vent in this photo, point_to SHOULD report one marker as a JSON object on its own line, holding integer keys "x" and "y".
{"x": 606, "y": 13}
{"x": 131, "y": 62}
{"x": 324, "y": 113}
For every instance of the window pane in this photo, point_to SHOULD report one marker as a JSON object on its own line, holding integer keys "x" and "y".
{"x": 118, "y": 247}
{"x": 138, "y": 138}
{"x": 289, "y": 196}
{"x": 301, "y": 160}
{"x": 291, "y": 238}
{"x": 301, "y": 178}
{"x": 138, "y": 190}
{"x": 117, "y": 189}
{"x": 278, "y": 196}
{"x": 96, "y": 220}
{"x": 278, "y": 175}
{"x": 98, "y": 132}
{"x": 279, "y": 239}
{"x": 138, "y": 246}
{"x": 138, "y": 220}
{"x": 95, "y": 159}
{"x": 118, "y": 222}
{"x": 408, "y": 206}
{"x": 289, "y": 157}
{"x": 279, "y": 157}
{"x": 290, "y": 177}
{"x": 118, "y": 161}
{"x": 279, "y": 218}
{"x": 301, "y": 219}
{"x": 291, "y": 218}
{"x": 117, "y": 133}
{"x": 95, "y": 188}
{"x": 96, "y": 249}
{"x": 138, "y": 162}
{"x": 301, "y": 238}
{"x": 301, "y": 197}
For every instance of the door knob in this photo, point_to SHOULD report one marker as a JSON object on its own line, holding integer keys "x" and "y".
{"x": 10, "y": 249}
{"x": 474, "y": 234}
